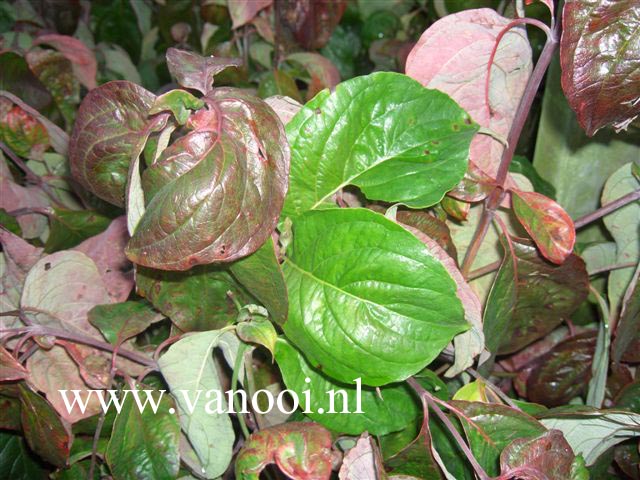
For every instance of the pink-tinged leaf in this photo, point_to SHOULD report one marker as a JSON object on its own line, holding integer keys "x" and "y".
{"x": 58, "y": 137}
{"x": 599, "y": 53}
{"x": 244, "y": 11}
{"x": 457, "y": 209}
{"x": 19, "y": 257}
{"x": 14, "y": 197}
{"x": 82, "y": 59}
{"x": 301, "y": 450}
{"x": 285, "y": 107}
{"x": 21, "y": 132}
{"x": 324, "y": 74}
{"x": 53, "y": 370}
{"x": 108, "y": 125}
{"x": 215, "y": 196}
{"x": 474, "y": 187}
{"x": 195, "y": 71}
{"x": 453, "y": 56}
{"x": 547, "y": 457}
{"x": 10, "y": 369}
{"x": 107, "y": 251}
{"x": 548, "y": 224}
{"x": 362, "y": 461}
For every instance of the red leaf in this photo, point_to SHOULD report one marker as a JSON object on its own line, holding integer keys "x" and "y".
{"x": 324, "y": 74}
{"x": 599, "y": 54}
{"x": 311, "y": 22}
{"x": 548, "y": 224}
{"x": 10, "y": 368}
{"x": 302, "y": 450}
{"x": 83, "y": 59}
{"x": 453, "y": 56}
{"x": 243, "y": 11}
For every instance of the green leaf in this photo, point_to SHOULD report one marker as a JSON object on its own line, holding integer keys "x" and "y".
{"x": 629, "y": 397}
{"x": 215, "y": 194}
{"x": 384, "y": 133}
{"x": 179, "y": 102}
{"x": 10, "y": 223}
{"x": 625, "y": 346}
{"x": 519, "y": 312}
{"x": 624, "y": 226}
{"x": 563, "y": 372}
{"x": 367, "y": 298}
{"x": 261, "y": 275}
{"x": 17, "y": 461}
{"x": 46, "y": 433}
{"x": 279, "y": 82}
{"x": 21, "y": 132}
{"x": 120, "y": 321}
{"x": 416, "y": 459}
{"x": 392, "y": 410}
{"x": 194, "y": 300}
{"x": 258, "y": 331}
{"x": 549, "y": 455}
{"x": 109, "y": 123}
{"x": 71, "y": 227}
{"x": 522, "y": 165}
{"x": 188, "y": 366}
{"x": 301, "y": 450}
{"x": 601, "y": 85}
{"x": 144, "y": 444}
{"x": 592, "y": 432}
{"x": 491, "y": 427}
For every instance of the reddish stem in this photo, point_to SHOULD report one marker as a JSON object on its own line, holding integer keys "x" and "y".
{"x": 607, "y": 209}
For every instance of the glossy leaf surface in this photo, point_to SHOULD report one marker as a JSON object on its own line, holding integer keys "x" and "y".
{"x": 531, "y": 297}
{"x": 548, "y": 224}
{"x": 193, "y": 300}
{"x": 144, "y": 444}
{"x": 109, "y": 122}
{"x": 453, "y": 56}
{"x": 598, "y": 52}
{"x": 260, "y": 273}
{"x": 214, "y": 196}
{"x": 394, "y": 411}
{"x": 300, "y": 450}
{"x": 383, "y": 133}
{"x": 354, "y": 310}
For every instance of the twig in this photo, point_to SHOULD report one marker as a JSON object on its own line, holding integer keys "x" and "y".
{"x": 452, "y": 429}
{"x": 79, "y": 338}
{"x": 482, "y": 271}
{"x": 234, "y": 382}
{"x": 493, "y": 201}
{"x": 607, "y": 209}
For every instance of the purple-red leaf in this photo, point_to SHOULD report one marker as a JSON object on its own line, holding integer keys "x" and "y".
{"x": 82, "y": 59}
{"x": 548, "y": 224}
{"x": 563, "y": 372}
{"x": 243, "y": 11}
{"x": 311, "y": 22}
{"x": 195, "y": 71}
{"x": 453, "y": 56}
{"x": 547, "y": 457}
{"x": 599, "y": 54}
{"x": 301, "y": 450}
{"x": 215, "y": 195}
{"x": 324, "y": 74}
{"x": 109, "y": 123}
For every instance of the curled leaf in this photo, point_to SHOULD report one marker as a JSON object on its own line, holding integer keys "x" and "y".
{"x": 195, "y": 71}
{"x": 548, "y": 224}
{"x": 109, "y": 123}
{"x": 214, "y": 195}
{"x": 179, "y": 102}
{"x": 300, "y": 450}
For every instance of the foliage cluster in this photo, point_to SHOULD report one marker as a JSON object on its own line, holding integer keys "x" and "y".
{"x": 432, "y": 206}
